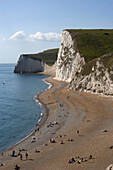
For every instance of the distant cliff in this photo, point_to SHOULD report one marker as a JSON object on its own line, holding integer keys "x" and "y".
{"x": 28, "y": 65}
{"x": 33, "y": 63}
{"x": 85, "y": 60}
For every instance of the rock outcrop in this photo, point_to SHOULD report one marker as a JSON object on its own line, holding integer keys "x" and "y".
{"x": 34, "y": 63}
{"x": 80, "y": 61}
{"x": 26, "y": 64}
{"x": 50, "y": 69}
{"x": 98, "y": 80}
{"x": 69, "y": 59}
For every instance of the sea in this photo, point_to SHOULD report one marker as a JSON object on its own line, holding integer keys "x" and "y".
{"x": 19, "y": 112}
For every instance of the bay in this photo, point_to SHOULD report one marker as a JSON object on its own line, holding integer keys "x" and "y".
{"x": 18, "y": 111}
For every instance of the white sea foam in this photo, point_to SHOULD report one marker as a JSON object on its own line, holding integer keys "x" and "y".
{"x": 39, "y": 119}
{"x": 41, "y": 114}
{"x": 50, "y": 85}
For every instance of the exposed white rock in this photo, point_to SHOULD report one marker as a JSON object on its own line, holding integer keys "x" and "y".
{"x": 50, "y": 69}
{"x": 28, "y": 65}
{"x": 96, "y": 82}
{"x": 69, "y": 59}
{"x": 70, "y": 65}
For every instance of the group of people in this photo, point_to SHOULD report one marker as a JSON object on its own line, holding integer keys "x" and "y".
{"x": 79, "y": 160}
{"x": 19, "y": 154}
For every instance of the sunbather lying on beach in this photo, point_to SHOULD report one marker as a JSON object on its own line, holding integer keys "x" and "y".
{"x": 72, "y": 160}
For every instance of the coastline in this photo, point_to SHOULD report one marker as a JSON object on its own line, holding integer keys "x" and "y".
{"x": 81, "y": 111}
{"x": 39, "y": 122}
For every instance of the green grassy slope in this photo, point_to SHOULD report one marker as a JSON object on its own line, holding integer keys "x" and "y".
{"x": 48, "y": 56}
{"x": 93, "y": 43}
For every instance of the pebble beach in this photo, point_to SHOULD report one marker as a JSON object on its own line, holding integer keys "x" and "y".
{"x": 83, "y": 131}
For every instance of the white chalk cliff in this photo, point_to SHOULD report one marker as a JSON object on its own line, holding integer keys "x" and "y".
{"x": 69, "y": 59}
{"x": 26, "y": 64}
{"x": 70, "y": 68}
{"x": 82, "y": 73}
{"x": 98, "y": 81}
{"x": 39, "y": 62}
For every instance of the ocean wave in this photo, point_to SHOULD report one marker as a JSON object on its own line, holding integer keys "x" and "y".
{"x": 50, "y": 85}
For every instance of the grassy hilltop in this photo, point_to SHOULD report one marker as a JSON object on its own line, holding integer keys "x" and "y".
{"x": 93, "y": 43}
{"x": 48, "y": 56}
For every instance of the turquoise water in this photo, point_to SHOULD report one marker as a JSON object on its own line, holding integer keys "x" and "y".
{"x": 18, "y": 111}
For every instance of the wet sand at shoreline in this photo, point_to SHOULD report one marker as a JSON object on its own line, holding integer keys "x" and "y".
{"x": 73, "y": 111}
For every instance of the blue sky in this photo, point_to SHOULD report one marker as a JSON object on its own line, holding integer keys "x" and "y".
{"x": 31, "y": 26}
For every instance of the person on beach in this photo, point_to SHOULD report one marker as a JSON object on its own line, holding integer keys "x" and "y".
{"x": 13, "y": 154}
{"x": 26, "y": 156}
{"x": 78, "y": 132}
{"x": 19, "y": 153}
{"x": 72, "y": 160}
{"x": 61, "y": 142}
{"x": 36, "y": 151}
{"x": 21, "y": 156}
{"x": 1, "y": 164}
{"x": 90, "y": 157}
{"x": 17, "y": 167}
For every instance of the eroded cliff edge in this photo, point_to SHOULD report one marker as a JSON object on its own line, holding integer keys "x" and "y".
{"x": 26, "y": 64}
{"x": 85, "y": 60}
{"x": 34, "y": 63}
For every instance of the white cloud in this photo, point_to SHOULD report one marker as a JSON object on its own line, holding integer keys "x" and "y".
{"x": 51, "y": 36}
{"x": 20, "y": 35}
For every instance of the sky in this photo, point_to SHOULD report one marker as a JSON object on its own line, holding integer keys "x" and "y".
{"x": 32, "y": 26}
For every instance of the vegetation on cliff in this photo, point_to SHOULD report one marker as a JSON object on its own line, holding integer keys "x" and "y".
{"x": 48, "y": 56}
{"x": 93, "y": 43}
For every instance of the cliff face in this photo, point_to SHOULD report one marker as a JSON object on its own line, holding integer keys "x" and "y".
{"x": 69, "y": 59}
{"x": 28, "y": 65}
{"x": 50, "y": 69}
{"x": 80, "y": 61}
{"x": 98, "y": 80}
{"x": 85, "y": 60}
{"x": 33, "y": 63}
